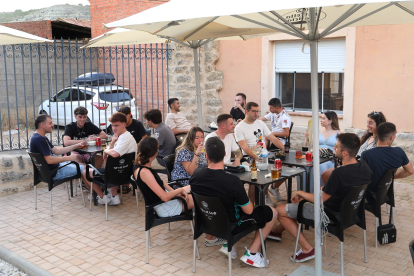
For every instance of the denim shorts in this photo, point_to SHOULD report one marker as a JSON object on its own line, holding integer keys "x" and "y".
{"x": 307, "y": 212}
{"x": 169, "y": 209}
{"x": 68, "y": 171}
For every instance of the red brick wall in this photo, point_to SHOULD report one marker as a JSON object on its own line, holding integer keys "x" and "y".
{"x": 39, "y": 28}
{"x": 106, "y": 11}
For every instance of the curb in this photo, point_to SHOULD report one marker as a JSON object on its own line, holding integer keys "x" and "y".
{"x": 21, "y": 263}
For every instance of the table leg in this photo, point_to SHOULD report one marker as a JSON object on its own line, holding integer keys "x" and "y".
{"x": 307, "y": 169}
{"x": 289, "y": 190}
{"x": 71, "y": 189}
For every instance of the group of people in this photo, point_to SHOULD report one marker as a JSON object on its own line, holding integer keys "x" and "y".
{"x": 199, "y": 163}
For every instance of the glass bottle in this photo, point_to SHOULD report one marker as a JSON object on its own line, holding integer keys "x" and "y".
{"x": 253, "y": 171}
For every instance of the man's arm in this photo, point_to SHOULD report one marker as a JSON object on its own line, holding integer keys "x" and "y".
{"x": 59, "y": 151}
{"x": 103, "y": 135}
{"x": 245, "y": 148}
{"x": 247, "y": 209}
{"x": 284, "y": 133}
{"x": 263, "y": 119}
{"x": 238, "y": 155}
{"x": 56, "y": 160}
{"x": 178, "y": 131}
{"x": 406, "y": 171}
{"x": 297, "y": 196}
{"x": 111, "y": 152}
{"x": 275, "y": 141}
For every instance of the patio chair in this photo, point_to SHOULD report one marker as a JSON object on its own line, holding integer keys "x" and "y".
{"x": 351, "y": 212}
{"x": 411, "y": 249}
{"x": 211, "y": 218}
{"x": 383, "y": 195}
{"x": 117, "y": 173}
{"x": 169, "y": 165}
{"x": 41, "y": 173}
{"x": 151, "y": 217}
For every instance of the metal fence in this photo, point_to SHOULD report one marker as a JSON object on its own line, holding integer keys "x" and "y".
{"x": 34, "y": 76}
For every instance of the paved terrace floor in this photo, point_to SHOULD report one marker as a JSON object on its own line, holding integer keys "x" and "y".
{"x": 78, "y": 242}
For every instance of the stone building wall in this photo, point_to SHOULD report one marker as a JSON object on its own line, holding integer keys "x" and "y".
{"x": 182, "y": 81}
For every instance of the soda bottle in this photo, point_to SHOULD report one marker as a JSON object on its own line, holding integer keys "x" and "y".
{"x": 253, "y": 171}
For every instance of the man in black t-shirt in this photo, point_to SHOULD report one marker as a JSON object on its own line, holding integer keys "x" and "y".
{"x": 75, "y": 131}
{"x": 135, "y": 127}
{"x": 352, "y": 173}
{"x": 215, "y": 182}
{"x": 238, "y": 111}
{"x": 384, "y": 157}
{"x": 39, "y": 143}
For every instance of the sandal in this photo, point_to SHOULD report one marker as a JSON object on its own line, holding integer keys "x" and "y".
{"x": 125, "y": 189}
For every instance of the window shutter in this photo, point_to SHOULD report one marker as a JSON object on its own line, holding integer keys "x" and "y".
{"x": 290, "y": 58}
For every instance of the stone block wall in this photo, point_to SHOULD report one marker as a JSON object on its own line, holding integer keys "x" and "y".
{"x": 16, "y": 172}
{"x": 182, "y": 81}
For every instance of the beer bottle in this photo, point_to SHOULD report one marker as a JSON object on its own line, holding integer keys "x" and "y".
{"x": 287, "y": 144}
{"x": 253, "y": 171}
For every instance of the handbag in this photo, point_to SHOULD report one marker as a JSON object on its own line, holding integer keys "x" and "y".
{"x": 387, "y": 233}
{"x": 326, "y": 153}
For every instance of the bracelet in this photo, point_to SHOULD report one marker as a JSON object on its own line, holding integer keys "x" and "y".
{"x": 197, "y": 155}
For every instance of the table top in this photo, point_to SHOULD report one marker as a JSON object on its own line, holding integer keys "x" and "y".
{"x": 208, "y": 130}
{"x": 90, "y": 149}
{"x": 291, "y": 160}
{"x": 262, "y": 180}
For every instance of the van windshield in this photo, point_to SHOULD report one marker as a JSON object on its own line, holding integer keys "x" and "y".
{"x": 115, "y": 96}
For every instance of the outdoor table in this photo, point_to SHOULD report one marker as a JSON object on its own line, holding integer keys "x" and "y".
{"x": 208, "y": 130}
{"x": 92, "y": 150}
{"x": 262, "y": 182}
{"x": 292, "y": 161}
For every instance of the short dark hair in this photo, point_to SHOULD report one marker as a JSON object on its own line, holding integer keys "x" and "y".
{"x": 275, "y": 102}
{"x": 171, "y": 101}
{"x": 223, "y": 118}
{"x": 385, "y": 130}
{"x": 118, "y": 117}
{"x": 215, "y": 150}
{"x": 153, "y": 115}
{"x": 242, "y": 95}
{"x": 125, "y": 109}
{"x": 350, "y": 143}
{"x": 147, "y": 148}
{"x": 80, "y": 110}
{"x": 249, "y": 105}
{"x": 40, "y": 119}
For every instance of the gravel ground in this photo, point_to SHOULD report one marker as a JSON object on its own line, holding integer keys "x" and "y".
{"x": 9, "y": 270}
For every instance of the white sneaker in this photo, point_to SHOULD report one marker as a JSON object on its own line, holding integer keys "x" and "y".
{"x": 114, "y": 200}
{"x": 275, "y": 192}
{"x": 268, "y": 201}
{"x": 224, "y": 250}
{"x": 256, "y": 260}
{"x": 102, "y": 201}
{"x": 109, "y": 192}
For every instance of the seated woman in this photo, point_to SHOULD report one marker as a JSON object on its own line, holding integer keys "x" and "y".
{"x": 368, "y": 140}
{"x": 327, "y": 139}
{"x": 152, "y": 185}
{"x": 190, "y": 155}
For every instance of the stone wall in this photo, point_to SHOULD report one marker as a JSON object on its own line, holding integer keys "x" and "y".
{"x": 16, "y": 172}
{"x": 182, "y": 81}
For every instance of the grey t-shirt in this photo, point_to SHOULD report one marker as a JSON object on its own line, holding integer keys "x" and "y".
{"x": 166, "y": 141}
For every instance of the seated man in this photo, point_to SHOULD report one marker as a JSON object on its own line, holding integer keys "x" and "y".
{"x": 238, "y": 110}
{"x": 39, "y": 143}
{"x": 176, "y": 120}
{"x": 352, "y": 173}
{"x": 122, "y": 142}
{"x": 135, "y": 127}
{"x": 384, "y": 157}
{"x": 215, "y": 182}
{"x": 246, "y": 133}
{"x": 225, "y": 131}
{"x": 279, "y": 118}
{"x": 163, "y": 134}
{"x": 75, "y": 131}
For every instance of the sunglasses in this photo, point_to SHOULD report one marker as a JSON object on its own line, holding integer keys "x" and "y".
{"x": 373, "y": 113}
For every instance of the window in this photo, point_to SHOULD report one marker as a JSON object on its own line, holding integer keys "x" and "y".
{"x": 292, "y": 68}
{"x": 116, "y": 96}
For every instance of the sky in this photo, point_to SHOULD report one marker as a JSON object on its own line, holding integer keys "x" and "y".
{"x": 25, "y": 5}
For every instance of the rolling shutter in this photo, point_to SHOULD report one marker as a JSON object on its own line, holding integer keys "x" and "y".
{"x": 290, "y": 58}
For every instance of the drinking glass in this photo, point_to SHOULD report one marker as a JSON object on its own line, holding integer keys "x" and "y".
{"x": 298, "y": 154}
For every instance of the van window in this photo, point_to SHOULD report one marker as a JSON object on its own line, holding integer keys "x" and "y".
{"x": 116, "y": 96}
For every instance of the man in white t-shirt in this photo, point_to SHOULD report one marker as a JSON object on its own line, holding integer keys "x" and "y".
{"x": 122, "y": 142}
{"x": 175, "y": 119}
{"x": 248, "y": 132}
{"x": 279, "y": 119}
{"x": 225, "y": 132}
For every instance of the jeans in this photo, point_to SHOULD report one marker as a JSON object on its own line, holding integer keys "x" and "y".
{"x": 68, "y": 171}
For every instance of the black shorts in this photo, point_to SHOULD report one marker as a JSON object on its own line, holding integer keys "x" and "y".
{"x": 260, "y": 215}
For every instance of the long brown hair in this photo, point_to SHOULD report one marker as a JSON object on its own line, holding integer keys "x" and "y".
{"x": 379, "y": 118}
{"x": 147, "y": 148}
{"x": 188, "y": 142}
{"x": 331, "y": 115}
